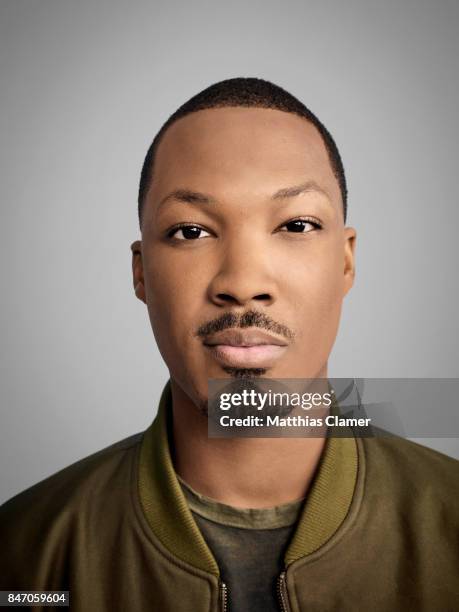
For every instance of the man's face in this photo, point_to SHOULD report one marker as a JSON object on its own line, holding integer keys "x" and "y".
{"x": 253, "y": 285}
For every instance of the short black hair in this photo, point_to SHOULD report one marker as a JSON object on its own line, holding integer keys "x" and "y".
{"x": 246, "y": 92}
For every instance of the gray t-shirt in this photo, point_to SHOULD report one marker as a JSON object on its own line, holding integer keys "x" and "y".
{"x": 248, "y": 545}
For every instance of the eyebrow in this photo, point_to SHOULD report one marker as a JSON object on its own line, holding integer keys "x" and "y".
{"x": 187, "y": 196}
{"x": 291, "y": 192}
{"x": 195, "y": 197}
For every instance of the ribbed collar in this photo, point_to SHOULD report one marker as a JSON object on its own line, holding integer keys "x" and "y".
{"x": 167, "y": 512}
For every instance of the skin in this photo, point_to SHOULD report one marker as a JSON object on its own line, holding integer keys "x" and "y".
{"x": 245, "y": 162}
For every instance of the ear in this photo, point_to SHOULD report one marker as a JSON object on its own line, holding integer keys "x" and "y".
{"x": 137, "y": 270}
{"x": 350, "y": 237}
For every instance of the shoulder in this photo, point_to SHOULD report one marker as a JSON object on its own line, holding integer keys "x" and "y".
{"x": 412, "y": 477}
{"x": 48, "y": 518}
{"x": 411, "y": 458}
{"x": 70, "y": 484}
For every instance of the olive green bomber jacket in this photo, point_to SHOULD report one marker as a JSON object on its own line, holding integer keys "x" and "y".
{"x": 379, "y": 531}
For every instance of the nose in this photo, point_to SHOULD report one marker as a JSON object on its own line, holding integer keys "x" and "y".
{"x": 244, "y": 278}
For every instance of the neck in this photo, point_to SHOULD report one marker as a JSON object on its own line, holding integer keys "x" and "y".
{"x": 240, "y": 472}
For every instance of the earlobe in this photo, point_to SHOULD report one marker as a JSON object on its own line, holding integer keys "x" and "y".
{"x": 140, "y": 292}
{"x": 349, "y": 258}
{"x": 137, "y": 270}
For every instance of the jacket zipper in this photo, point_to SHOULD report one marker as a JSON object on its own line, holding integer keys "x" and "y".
{"x": 224, "y": 597}
{"x": 282, "y": 593}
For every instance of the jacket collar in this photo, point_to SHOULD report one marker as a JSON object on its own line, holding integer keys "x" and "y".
{"x": 167, "y": 513}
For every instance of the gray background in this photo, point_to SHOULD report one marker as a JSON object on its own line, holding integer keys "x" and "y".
{"x": 85, "y": 86}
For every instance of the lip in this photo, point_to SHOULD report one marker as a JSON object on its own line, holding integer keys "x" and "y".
{"x": 244, "y": 337}
{"x": 258, "y": 356}
{"x": 247, "y": 348}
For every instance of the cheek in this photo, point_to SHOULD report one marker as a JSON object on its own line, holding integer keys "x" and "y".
{"x": 174, "y": 298}
{"x": 317, "y": 288}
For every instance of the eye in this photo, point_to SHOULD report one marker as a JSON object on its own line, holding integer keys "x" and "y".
{"x": 301, "y": 226}
{"x": 188, "y": 232}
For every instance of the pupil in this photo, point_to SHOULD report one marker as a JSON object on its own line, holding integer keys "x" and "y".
{"x": 191, "y": 232}
{"x": 296, "y": 226}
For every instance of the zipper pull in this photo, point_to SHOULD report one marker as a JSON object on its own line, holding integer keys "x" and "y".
{"x": 282, "y": 593}
{"x": 224, "y": 597}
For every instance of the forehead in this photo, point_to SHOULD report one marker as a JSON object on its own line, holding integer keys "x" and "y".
{"x": 241, "y": 150}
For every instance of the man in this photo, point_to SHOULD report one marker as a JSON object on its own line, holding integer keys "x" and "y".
{"x": 243, "y": 265}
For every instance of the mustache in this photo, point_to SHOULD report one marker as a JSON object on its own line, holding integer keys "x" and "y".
{"x": 251, "y": 318}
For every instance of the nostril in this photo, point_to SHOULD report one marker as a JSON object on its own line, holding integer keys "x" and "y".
{"x": 232, "y": 299}
{"x": 262, "y": 297}
{"x": 226, "y": 298}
